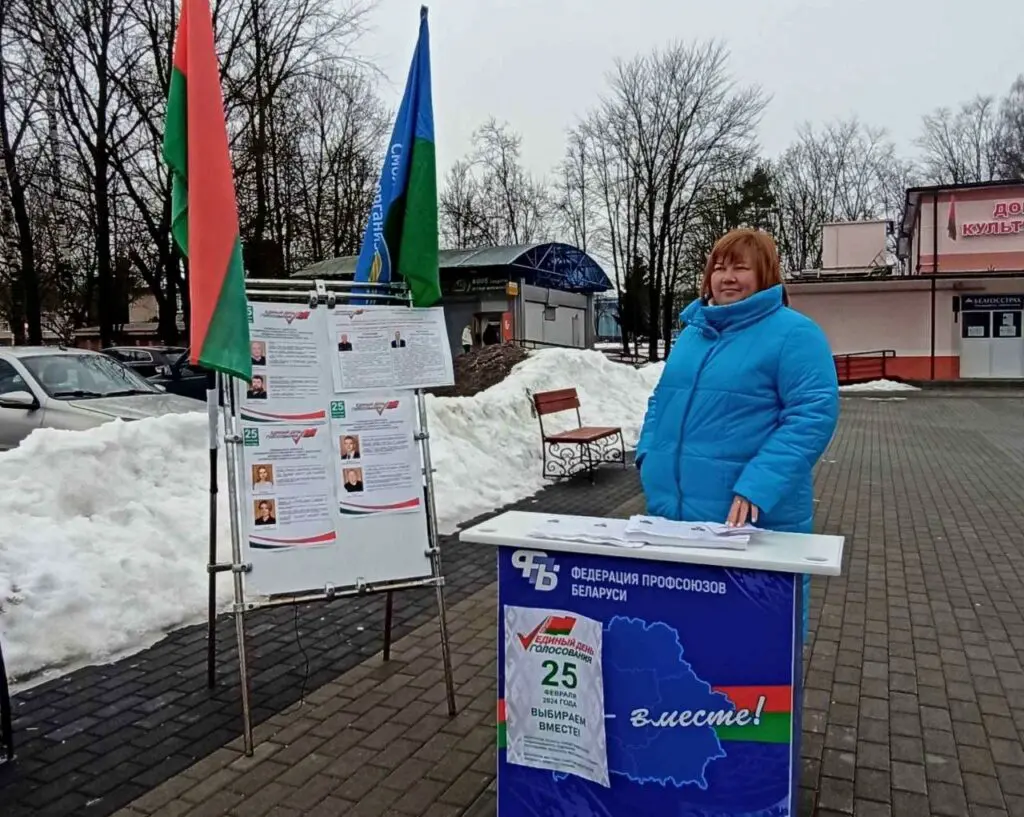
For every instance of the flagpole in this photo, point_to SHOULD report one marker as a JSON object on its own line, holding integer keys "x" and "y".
{"x": 212, "y": 407}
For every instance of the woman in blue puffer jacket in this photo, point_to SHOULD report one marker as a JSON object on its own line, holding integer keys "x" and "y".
{"x": 747, "y": 403}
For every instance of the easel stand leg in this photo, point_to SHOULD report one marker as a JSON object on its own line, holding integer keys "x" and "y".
{"x": 435, "y": 554}
{"x": 389, "y": 605}
{"x": 212, "y": 407}
{"x": 446, "y": 651}
{"x": 6, "y": 729}
{"x": 232, "y": 439}
{"x": 243, "y": 680}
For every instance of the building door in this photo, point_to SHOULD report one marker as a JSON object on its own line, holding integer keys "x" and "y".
{"x": 1007, "y": 347}
{"x": 975, "y": 344}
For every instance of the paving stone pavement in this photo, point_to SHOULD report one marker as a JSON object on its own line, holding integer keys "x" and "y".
{"x": 914, "y": 700}
{"x": 96, "y": 739}
{"x": 376, "y": 741}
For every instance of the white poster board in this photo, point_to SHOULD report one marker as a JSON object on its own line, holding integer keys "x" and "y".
{"x": 330, "y": 481}
{"x": 389, "y": 346}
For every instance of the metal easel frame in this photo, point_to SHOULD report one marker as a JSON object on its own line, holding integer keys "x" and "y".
{"x": 318, "y": 294}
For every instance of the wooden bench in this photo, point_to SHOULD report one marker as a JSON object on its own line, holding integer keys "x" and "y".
{"x": 6, "y": 732}
{"x": 578, "y": 450}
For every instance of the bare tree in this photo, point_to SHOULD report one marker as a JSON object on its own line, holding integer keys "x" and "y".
{"x": 287, "y": 43}
{"x": 674, "y": 119}
{"x": 490, "y": 198}
{"x": 88, "y": 39}
{"x": 1009, "y": 140}
{"x": 461, "y": 209}
{"x": 21, "y": 96}
{"x": 617, "y": 221}
{"x": 516, "y": 205}
{"x": 959, "y": 147}
{"x": 339, "y": 148}
{"x": 574, "y": 201}
{"x": 844, "y": 172}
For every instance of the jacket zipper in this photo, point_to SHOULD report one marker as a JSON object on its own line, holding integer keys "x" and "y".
{"x": 682, "y": 430}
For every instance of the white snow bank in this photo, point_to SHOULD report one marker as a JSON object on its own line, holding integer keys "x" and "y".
{"x": 103, "y": 533}
{"x": 103, "y": 539}
{"x": 878, "y": 385}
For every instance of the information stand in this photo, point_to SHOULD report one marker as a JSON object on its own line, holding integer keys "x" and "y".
{"x": 330, "y": 482}
{"x": 654, "y": 680}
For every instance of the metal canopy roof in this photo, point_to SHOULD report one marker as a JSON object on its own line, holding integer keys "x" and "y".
{"x": 553, "y": 265}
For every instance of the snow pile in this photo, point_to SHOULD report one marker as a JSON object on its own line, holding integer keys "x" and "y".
{"x": 103, "y": 539}
{"x": 103, "y": 533}
{"x": 877, "y": 386}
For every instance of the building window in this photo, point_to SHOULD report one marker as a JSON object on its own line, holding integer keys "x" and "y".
{"x": 550, "y": 313}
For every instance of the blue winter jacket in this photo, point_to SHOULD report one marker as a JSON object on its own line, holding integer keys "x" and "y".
{"x": 746, "y": 404}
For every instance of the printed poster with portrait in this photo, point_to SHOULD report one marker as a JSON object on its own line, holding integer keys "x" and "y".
{"x": 289, "y": 503}
{"x": 389, "y": 347}
{"x": 376, "y": 457}
{"x": 289, "y": 382}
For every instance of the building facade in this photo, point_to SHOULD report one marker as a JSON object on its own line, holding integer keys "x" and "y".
{"x": 948, "y": 303}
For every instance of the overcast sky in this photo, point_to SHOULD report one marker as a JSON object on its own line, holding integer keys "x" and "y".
{"x": 539, "y": 64}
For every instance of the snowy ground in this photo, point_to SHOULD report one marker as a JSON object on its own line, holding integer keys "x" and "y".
{"x": 878, "y": 386}
{"x": 103, "y": 533}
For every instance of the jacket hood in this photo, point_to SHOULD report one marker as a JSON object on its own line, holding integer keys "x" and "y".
{"x": 713, "y": 320}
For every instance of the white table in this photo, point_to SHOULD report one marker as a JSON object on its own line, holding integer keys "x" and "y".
{"x": 783, "y": 552}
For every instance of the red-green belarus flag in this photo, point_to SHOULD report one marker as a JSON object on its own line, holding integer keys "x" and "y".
{"x": 204, "y": 214}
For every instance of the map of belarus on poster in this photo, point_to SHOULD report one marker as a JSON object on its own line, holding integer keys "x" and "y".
{"x": 664, "y": 729}
{"x": 377, "y": 459}
{"x": 288, "y": 379}
{"x": 554, "y": 692}
{"x": 288, "y": 502}
{"x": 381, "y": 347}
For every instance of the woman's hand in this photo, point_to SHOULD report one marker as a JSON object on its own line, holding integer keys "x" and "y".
{"x": 740, "y": 512}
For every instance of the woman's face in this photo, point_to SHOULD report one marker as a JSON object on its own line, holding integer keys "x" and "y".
{"x": 732, "y": 280}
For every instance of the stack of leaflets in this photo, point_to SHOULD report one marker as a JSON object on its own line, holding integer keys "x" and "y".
{"x": 638, "y": 531}
{"x": 654, "y": 530}
{"x": 584, "y": 529}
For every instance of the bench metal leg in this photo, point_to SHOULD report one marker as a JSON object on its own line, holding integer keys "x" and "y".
{"x": 563, "y": 460}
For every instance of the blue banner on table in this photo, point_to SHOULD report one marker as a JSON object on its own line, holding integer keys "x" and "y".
{"x": 701, "y": 672}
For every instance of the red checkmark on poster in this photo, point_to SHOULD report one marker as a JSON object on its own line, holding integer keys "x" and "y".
{"x": 527, "y": 640}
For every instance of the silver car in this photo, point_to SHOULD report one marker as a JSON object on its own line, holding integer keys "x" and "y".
{"x": 73, "y": 389}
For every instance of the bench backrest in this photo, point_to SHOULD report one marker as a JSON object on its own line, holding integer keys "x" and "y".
{"x": 552, "y": 402}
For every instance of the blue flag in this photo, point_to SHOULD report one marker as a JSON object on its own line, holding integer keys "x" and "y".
{"x": 400, "y": 241}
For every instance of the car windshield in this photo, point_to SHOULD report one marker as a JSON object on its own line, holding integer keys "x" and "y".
{"x": 72, "y": 376}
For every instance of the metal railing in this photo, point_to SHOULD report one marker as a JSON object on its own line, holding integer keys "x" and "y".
{"x": 862, "y": 367}
{"x": 616, "y": 354}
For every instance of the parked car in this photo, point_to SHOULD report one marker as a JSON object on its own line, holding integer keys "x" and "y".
{"x": 149, "y": 361}
{"x": 181, "y": 377}
{"x": 166, "y": 366}
{"x": 74, "y": 389}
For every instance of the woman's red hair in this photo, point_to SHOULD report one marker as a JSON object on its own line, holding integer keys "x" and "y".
{"x": 754, "y": 248}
